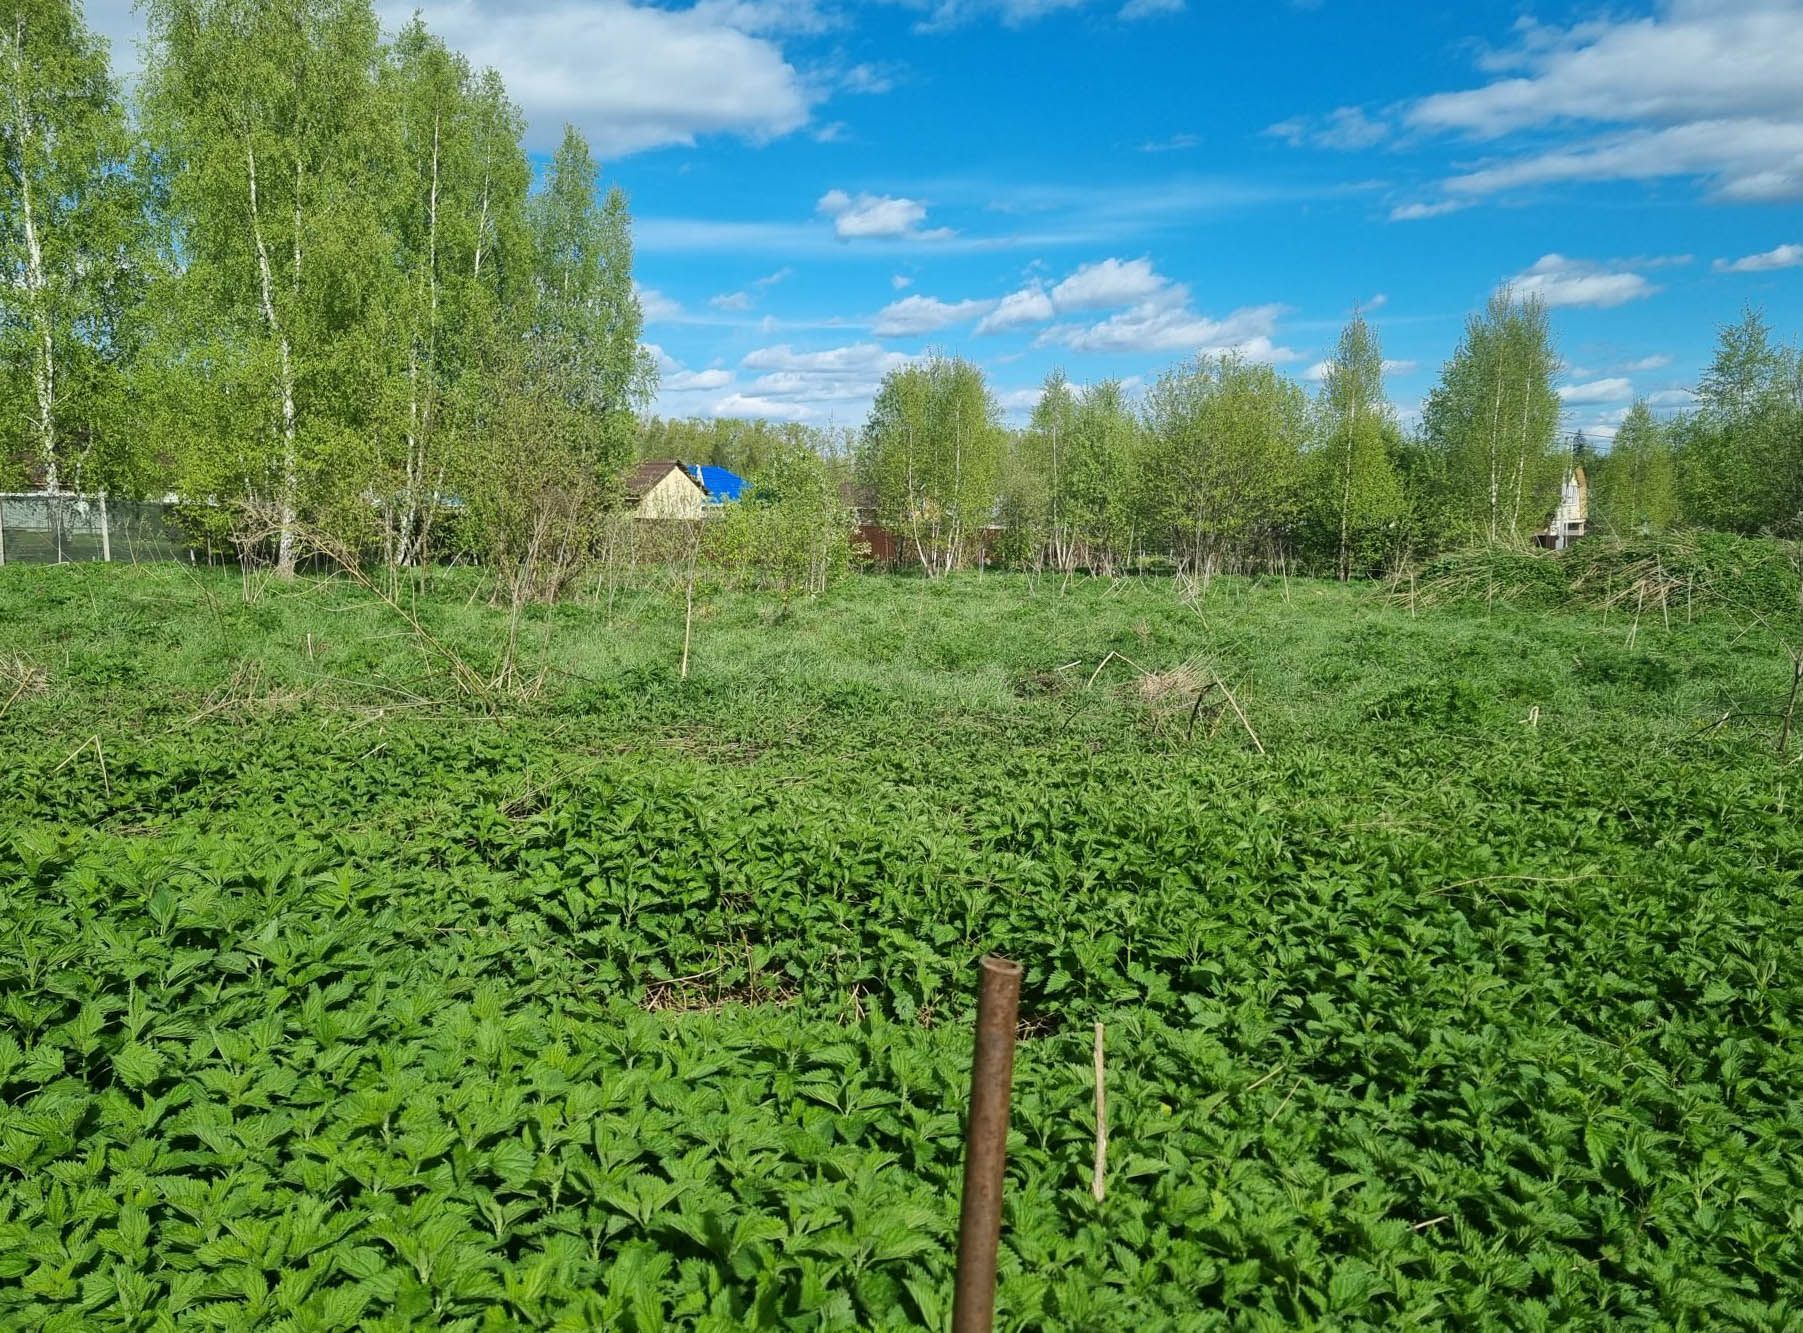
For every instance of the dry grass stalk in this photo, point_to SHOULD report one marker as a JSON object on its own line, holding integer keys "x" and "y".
{"x": 20, "y": 678}
{"x": 1166, "y": 695}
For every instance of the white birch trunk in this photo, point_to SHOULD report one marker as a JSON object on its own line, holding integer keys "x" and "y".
{"x": 43, "y": 370}
{"x": 288, "y": 485}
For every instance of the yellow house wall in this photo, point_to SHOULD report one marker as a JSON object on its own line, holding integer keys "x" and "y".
{"x": 676, "y": 496}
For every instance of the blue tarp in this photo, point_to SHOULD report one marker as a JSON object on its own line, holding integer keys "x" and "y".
{"x": 722, "y": 486}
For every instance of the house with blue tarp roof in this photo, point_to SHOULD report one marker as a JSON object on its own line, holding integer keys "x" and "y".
{"x": 722, "y": 486}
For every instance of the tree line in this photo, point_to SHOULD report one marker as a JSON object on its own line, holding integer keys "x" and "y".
{"x": 308, "y": 283}
{"x": 1225, "y": 463}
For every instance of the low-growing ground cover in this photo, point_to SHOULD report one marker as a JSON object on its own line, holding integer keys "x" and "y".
{"x": 330, "y": 1001}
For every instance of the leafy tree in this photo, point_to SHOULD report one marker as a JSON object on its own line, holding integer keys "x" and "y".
{"x": 1081, "y": 448}
{"x": 263, "y": 117}
{"x": 1634, "y": 487}
{"x": 1035, "y": 495}
{"x": 791, "y": 531}
{"x": 931, "y": 452}
{"x": 1219, "y": 476}
{"x": 1740, "y": 455}
{"x": 586, "y": 327}
{"x": 455, "y": 219}
{"x": 74, "y": 251}
{"x": 1351, "y": 493}
{"x": 1495, "y": 417}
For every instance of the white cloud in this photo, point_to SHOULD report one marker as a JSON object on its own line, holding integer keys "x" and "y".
{"x": 1783, "y": 256}
{"x": 867, "y": 216}
{"x": 1175, "y": 143}
{"x": 1108, "y": 283}
{"x": 867, "y": 79}
{"x": 1671, "y": 398}
{"x": 1097, "y": 286}
{"x": 1559, "y": 281}
{"x": 924, "y": 314}
{"x": 1145, "y": 9}
{"x": 943, "y": 15}
{"x": 684, "y": 381}
{"x": 835, "y": 381}
{"x": 858, "y": 359}
{"x": 1703, "y": 88}
{"x": 1167, "y": 324}
{"x": 631, "y": 76}
{"x": 1019, "y": 400}
{"x": 753, "y": 405}
{"x": 1700, "y": 60}
{"x": 1657, "y": 361}
{"x": 1748, "y": 162}
{"x": 1030, "y": 305}
{"x": 901, "y": 282}
{"x": 1378, "y": 302}
{"x": 744, "y": 300}
{"x": 1416, "y": 212}
{"x": 656, "y": 306}
{"x": 1597, "y": 391}
{"x": 1346, "y": 127}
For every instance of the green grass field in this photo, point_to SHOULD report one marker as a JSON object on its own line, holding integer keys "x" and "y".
{"x": 329, "y": 1000}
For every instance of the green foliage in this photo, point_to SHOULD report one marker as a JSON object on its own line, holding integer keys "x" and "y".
{"x": 931, "y": 453}
{"x": 1352, "y": 501}
{"x": 1634, "y": 487}
{"x": 1740, "y": 455}
{"x": 266, "y": 123}
{"x": 1075, "y": 473}
{"x": 75, "y": 255}
{"x": 325, "y": 1004}
{"x": 586, "y": 322}
{"x": 1494, "y": 417}
{"x": 1218, "y": 481}
{"x": 742, "y": 447}
{"x": 791, "y": 532}
{"x": 455, "y": 213}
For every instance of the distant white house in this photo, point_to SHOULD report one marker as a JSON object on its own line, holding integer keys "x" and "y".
{"x": 1573, "y": 514}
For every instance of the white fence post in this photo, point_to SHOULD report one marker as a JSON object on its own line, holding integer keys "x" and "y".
{"x": 106, "y": 535}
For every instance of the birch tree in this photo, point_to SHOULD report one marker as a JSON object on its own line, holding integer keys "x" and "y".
{"x": 1042, "y": 454}
{"x": 1218, "y": 480}
{"x": 455, "y": 224}
{"x": 1352, "y": 495}
{"x": 1495, "y": 417}
{"x": 72, "y": 246}
{"x": 587, "y": 322}
{"x": 1740, "y": 453}
{"x": 1633, "y": 487}
{"x": 931, "y": 452}
{"x": 263, "y": 115}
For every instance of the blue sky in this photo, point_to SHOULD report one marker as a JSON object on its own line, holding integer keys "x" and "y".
{"x": 823, "y": 190}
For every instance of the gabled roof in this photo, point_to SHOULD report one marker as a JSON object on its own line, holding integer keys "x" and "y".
{"x": 643, "y": 479}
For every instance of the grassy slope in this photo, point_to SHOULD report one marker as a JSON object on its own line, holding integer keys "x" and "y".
{"x": 1428, "y": 1014}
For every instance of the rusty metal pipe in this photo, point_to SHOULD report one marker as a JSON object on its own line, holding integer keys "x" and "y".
{"x": 986, "y": 1146}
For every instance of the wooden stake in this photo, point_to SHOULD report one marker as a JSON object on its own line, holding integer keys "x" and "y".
{"x": 986, "y": 1147}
